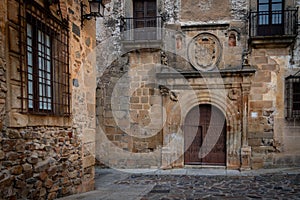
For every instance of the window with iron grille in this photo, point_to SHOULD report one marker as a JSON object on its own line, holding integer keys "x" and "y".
{"x": 44, "y": 62}
{"x": 292, "y": 84}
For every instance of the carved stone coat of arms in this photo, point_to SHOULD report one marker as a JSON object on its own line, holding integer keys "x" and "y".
{"x": 204, "y": 52}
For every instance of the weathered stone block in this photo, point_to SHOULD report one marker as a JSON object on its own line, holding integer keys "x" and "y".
{"x": 76, "y": 29}
{"x": 15, "y": 66}
{"x": 88, "y": 161}
{"x": 48, "y": 183}
{"x": 20, "y": 184}
{"x": 136, "y": 106}
{"x": 260, "y": 104}
{"x": 134, "y": 100}
{"x": 206, "y": 10}
{"x": 155, "y": 100}
{"x": 54, "y": 188}
{"x": 263, "y": 76}
{"x": 270, "y": 67}
{"x": 43, "y": 192}
{"x": 260, "y": 60}
{"x": 89, "y": 135}
{"x": 146, "y": 58}
{"x": 27, "y": 167}
{"x": 73, "y": 157}
{"x": 12, "y": 8}
{"x": 52, "y": 171}
{"x": 144, "y": 99}
{"x": 73, "y": 174}
{"x": 13, "y": 134}
{"x": 257, "y": 163}
{"x": 18, "y": 120}
{"x": 12, "y": 156}
{"x": 43, "y": 175}
{"x": 6, "y": 181}
{"x": 2, "y": 155}
{"x": 16, "y": 170}
{"x": 51, "y": 195}
{"x": 283, "y": 160}
{"x": 44, "y": 165}
{"x": 109, "y": 122}
{"x": 258, "y": 53}
{"x": 13, "y": 40}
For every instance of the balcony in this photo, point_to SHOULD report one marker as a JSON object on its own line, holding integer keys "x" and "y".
{"x": 273, "y": 29}
{"x": 141, "y": 32}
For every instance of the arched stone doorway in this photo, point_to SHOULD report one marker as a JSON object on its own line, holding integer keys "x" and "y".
{"x": 205, "y": 136}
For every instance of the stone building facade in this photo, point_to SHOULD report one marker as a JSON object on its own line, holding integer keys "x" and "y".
{"x": 47, "y": 99}
{"x": 200, "y": 83}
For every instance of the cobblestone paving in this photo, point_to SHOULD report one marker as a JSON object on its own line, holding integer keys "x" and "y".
{"x": 266, "y": 186}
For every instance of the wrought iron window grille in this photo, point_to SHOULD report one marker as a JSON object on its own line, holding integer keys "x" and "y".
{"x": 292, "y": 89}
{"x": 44, "y": 61}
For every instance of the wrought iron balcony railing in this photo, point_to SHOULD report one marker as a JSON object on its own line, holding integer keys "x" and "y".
{"x": 274, "y": 23}
{"x": 138, "y": 29}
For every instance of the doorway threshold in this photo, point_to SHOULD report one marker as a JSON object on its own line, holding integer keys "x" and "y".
{"x": 204, "y": 167}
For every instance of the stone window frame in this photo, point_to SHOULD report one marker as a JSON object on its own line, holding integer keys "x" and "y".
{"x": 292, "y": 90}
{"x": 58, "y": 100}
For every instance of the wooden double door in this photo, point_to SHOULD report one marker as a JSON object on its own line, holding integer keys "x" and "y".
{"x": 205, "y": 136}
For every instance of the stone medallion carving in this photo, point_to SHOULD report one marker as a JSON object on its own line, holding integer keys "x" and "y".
{"x": 204, "y": 52}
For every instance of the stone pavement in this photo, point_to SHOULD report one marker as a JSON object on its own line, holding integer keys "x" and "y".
{"x": 204, "y": 183}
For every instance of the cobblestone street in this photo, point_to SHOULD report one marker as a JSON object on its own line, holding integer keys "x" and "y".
{"x": 269, "y": 186}
{"x": 195, "y": 184}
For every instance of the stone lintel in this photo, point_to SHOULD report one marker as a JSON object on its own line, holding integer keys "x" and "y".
{"x": 197, "y": 27}
{"x": 212, "y": 74}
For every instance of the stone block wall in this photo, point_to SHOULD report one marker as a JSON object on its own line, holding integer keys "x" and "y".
{"x": 128, "y": 111}
{"x": 46, "y": 157}
{"x": 270, "y": 133}
{"x": 40, "y": 163}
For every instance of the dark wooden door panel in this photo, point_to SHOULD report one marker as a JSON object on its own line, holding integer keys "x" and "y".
{"x": 207, "y": 143}
{"x": 192, "y": 144}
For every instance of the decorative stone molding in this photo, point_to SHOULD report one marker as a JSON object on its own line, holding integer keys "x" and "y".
{"x": 204, "y": 52}
{"x": 164, "y": 58}
{"x": 167, "y": 92}
{"x": 233, "y": 94}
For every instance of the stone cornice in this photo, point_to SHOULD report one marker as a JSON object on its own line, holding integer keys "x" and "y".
{"x": 249, "y": 71}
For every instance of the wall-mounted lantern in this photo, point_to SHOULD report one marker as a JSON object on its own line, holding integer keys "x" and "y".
{"x": 96, "y": 10}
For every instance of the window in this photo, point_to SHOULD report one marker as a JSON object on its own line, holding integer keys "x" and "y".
{"x": 145, "y": 20}
{"x": 144, "y": 25}
{"x": 45, "y": 72}
{"x": 292, "y": 84}
{"x": 270, "y": 17}
{"x": 39, "y": 69}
